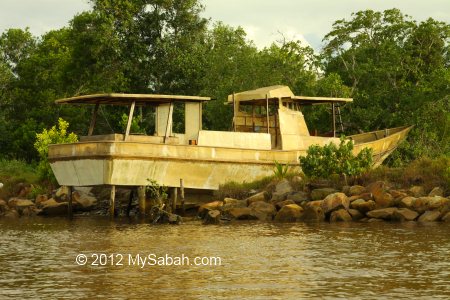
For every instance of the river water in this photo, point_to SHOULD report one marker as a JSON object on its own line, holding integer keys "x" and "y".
{"x": 257, "y": 260}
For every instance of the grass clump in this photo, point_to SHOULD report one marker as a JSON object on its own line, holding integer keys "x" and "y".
{"x": 242, "y": 190}
{"x": 425, "y": 171}
{"x": 13, "y": 172}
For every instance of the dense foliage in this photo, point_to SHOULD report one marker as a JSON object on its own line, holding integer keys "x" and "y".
{"x": 328, "y": 160}
{"x": 395, "y": 68}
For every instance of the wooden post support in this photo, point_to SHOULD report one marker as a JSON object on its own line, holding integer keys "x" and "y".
{"x": 70, "y": 206}
{"x": 182, "y": 196}
{"x": 174, "y": 196}
{"x": 112, "y": 199}
{"x": 142, "y": 200}
{"x": 130, "y": 119}
{"x": 93, "y": 119}
{"x": 130, "y": 200}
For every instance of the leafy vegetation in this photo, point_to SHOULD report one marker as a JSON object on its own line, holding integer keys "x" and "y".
{"x": 155, "y": 191}
{"x": 13, "y": 172}
{"x": 56, "y": 135}
{"x": 425, "y": 171}
{"x": 280, "y": 171}
{"x": 323, "y": 162}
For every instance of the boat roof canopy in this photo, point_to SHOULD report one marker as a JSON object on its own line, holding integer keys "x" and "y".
{"x": 127, "y": 99}
{"x": 283, "y": 92}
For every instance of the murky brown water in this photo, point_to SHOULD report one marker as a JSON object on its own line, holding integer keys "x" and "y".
{"x": 261, "y": 261}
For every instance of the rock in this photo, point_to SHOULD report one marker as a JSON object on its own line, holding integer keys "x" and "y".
{"x": 407, "y": 202}
{"x": 298, "y": 197}
{"x": 340, "y": 215}
{"x": 19, "y": 203}
{"x": 29, "y": 211}
{"x": 1, "y": 185}
{"x": 212, "y": 217}
{"x": 3, "y": 206}
{"x": 317, "y": 203}
{"x": 437, "y": 191}
{"x": 60, "y": 195}
{"x": 423, "y": 204}
{"x": 398, "y": 194}
{"x": 356, "y": 190}
{"x": 355, "y": 214}
{"x": 262, "y": 196}
{"x": 11, "y": 214}
{"x": 346, "y": 189}
{"x": 334, "y": 202}
{"x": 429, "y": 216}
{"x": 49, "y": 202}
{"x": 382, "y": 213}
{"x": 404, "y": 214}
{"x": 381, "y": 197}
{"x": 313, "y": 213}
{"x": 297, "y": 180}
{"x": 446, "y": 218}
{"x": 57, "y": 209}
{"x": 384, "y": 200}
{"x": 417, "y": 191}
{"x": 85, "y": 201}
{"x": 241, "y": 213}
{"x": 364, "y": 196}
{"x": 282, "y": 190}
{"x": 263, "y": 211}
{"x": 319, "y": 194}
{"x": 233, "y": 203}
{"x": 376, "y": 188}
{"x": 280, "y": 204}
{"x": 204, "y": 208}
{"x": 23, "y": 189}
{"x": 40, "y": 198}
{"x": 174, "y": 219}
{"x": 363, "y": 206}
{"x": 289, "y": 213}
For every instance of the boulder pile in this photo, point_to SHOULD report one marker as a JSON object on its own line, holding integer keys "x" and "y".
{"x": 55, "y": 204}
{"x": 374, "y": 202}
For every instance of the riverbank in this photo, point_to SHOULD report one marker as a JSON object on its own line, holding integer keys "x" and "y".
{"x": 418, "y": 192}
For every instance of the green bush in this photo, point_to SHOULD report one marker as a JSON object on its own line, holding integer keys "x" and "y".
{"x": 323, "y": 162}
{"x": 47, "y": 137}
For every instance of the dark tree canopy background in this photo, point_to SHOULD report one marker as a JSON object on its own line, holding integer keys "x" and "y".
{"x": 396, "y": 69}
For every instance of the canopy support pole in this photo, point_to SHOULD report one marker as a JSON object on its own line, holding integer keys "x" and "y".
{"x": 169, "y": 122}
{"x": 333, "y": 108}
{"x": 93, "y": 119}
{"x": 130, "y": 119}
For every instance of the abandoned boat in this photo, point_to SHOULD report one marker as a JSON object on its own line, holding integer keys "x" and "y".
{"x": 268, "y": 126}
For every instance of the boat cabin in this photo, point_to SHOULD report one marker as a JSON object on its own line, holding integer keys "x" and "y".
{"x": 164, "y": 107}
{"x": 267, "y": 118}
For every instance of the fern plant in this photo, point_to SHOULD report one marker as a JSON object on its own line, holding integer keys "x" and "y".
{"x": 280, "y": 171}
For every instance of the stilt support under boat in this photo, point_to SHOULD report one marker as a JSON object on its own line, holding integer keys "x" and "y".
{"x": 70, "y": 206}
{"x": 141, "y": 196}
{"x": 182, "y": 196}
{"x": 173, "y": 200}
{"x": 112, "y": 200}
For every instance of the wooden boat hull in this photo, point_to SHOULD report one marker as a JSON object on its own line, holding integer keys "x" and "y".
{"x": 201, "y": 167}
